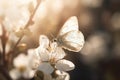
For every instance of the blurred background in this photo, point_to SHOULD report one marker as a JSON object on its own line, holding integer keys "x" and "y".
{"x": 99, "y": 21}
{"x": 100, "y": 56}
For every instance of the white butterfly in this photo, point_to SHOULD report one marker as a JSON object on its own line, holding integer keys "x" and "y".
{"x": 70, "y": 37}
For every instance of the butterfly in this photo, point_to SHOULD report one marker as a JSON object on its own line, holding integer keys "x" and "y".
{"x": 70, "y": 37}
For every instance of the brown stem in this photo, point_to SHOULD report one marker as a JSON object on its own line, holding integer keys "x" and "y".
{"x": 4, "y": 71}
{"x": 0, "y": 57}
{"x": 4, "y": 39}
{"x": 17, "y": 42}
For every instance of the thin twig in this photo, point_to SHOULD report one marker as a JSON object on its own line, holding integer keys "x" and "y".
{"x": 32, "y": 15}
{"x": 28, "y": 24}
{"x": 17, "y": 42}
{"x": 4, "y": 41}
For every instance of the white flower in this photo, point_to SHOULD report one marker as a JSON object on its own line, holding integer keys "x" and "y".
{"x": 34, "y": 59}
{"x": 20, "y": 60}
{"x": 22, "y": 69}
{"x": 62, "y": 75}
{"x": 52, "y": 56}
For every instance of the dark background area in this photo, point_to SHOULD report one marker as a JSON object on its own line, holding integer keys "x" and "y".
{"x": 106, "y": 23}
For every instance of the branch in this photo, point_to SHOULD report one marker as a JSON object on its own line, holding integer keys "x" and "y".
{"x": 4, "y": 39}
{"x": 27, "y": 25}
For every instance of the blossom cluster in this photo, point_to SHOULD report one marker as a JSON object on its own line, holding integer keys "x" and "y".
{"x": 47, "y": 60}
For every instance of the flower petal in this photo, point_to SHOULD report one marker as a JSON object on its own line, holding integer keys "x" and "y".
{"x": 43, "y": 53}
{"x": 58, "y": 53}
{"x": 62, "y": 75}
{"x": 34, "y": 59}
{"x": 64, "y": 65}
{"x": 21, "y": 60}
{"x": 29, "y": 73}
{"x": 15, "y": 74}
{"x": 46, "y": 68}
{"x": 43, "y": 41}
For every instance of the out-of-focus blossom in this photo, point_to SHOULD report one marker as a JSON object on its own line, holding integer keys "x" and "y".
{"x": 22, "y": 69}
{"x": 95, "y": 47}
{"x": 52, "y": 56}
{"x": 86, "y": 21}
{"x": 115, "y": 20}
{"x": 92, "y": 3}
{"x": 116, "y": 50}
{"x": 34, "y": 59}
{"x": 15, "y": 12}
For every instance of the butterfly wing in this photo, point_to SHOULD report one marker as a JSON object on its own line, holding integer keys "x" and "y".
{"x": 73, "y": 41}
{"x": 70, "y": 37}
{"x": 70, "y": 24}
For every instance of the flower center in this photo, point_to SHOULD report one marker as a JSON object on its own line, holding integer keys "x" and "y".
{"x": 53, "y": 61}
{"x": 22, "y": 68}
